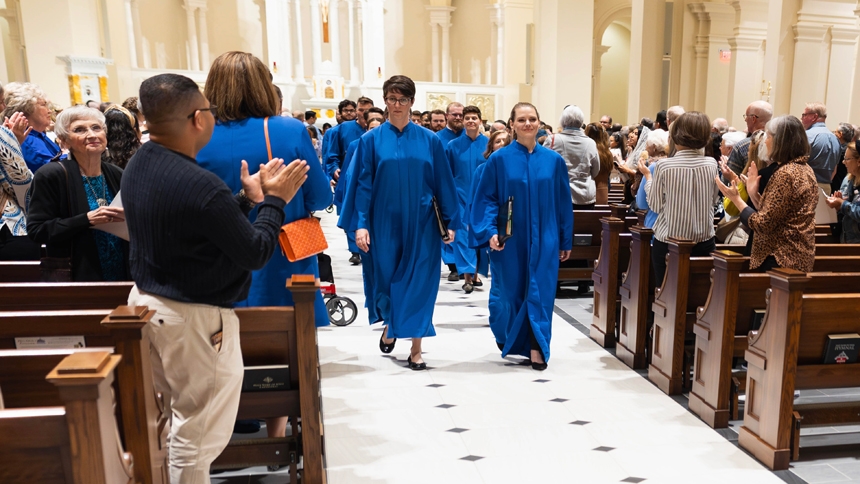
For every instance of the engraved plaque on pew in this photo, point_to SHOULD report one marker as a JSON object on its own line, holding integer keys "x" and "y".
{"x": 581, "y": 239}
{"x": 266, "y": 378}
{"x": 50, "y": 342}
{"x": 842, "y": 348}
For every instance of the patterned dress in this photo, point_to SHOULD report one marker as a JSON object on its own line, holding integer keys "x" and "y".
{"x": 13, "y": 172}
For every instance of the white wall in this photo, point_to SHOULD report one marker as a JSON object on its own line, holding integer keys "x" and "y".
{"x": 615, "y": 73}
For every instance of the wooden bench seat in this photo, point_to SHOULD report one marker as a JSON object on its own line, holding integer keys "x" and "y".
{"x": 587, "y": 222}
{"x": 787, "y": 353}
{"x": 72, "y": 443}
{"x": 20, "y": 271}
{"x": 45, "y": 296}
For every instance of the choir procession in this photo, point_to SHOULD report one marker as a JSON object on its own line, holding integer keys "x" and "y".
{"x": 391, "y": 241}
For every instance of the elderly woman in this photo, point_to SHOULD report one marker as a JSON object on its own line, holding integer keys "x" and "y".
{"x": 847, "y": 200}
{"x": 729, "y": 141}
{"x": 681, "y": 193}
{"x": 69, "y": 197}
{"x": 657, "y": 146}
{"x": 14, "y": 178}
{"x": 783, "y": 222}
{"x": 580, "y": 155}
{"x": 30, "y": 100}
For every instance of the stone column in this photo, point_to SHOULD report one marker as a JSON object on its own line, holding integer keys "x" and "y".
{"x": 204, "y": 38}
{"x": 373, "y": 32}
{"x": 334, "y": 34}
{"x": 646, "y": 58}
{"x": 300, "y": 49}
{"x": 840, "y": 77}
{"x": 599, "y": 50}
{"x": 130, "y": 30}
{"x": 811, "y": 63}
{"x": 434, "y": 49}
{"x": 193, "y": 52}
{"x": 440, "y": 19}
{"x": 353, "y": 67}
{"x": 716, "y": 22}
{"x": 278, "y": 37}
{"x": 746, "y": 75}
{"x": 316, "y": 35}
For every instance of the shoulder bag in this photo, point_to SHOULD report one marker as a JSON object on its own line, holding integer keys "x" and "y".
{"x": 59, "y": 269}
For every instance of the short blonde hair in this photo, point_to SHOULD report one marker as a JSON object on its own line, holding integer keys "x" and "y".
{"x": 22, "y": 97}
{"x": 818, "y": 108}
{"x": 70, "y": 115}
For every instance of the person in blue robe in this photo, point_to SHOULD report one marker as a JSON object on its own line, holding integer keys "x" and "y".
{"x": 399, "y": 169}
{"x": 452, "y": 130}
{"x": 526, "y": 267}
{"x": 239, "y": 134}
{"x": 465, "y": 153}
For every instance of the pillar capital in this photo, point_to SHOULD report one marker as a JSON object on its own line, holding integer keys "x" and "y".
{"x": 844, "y": 35}
{"x": 807, "y": 32}
{"x": 751, "y": 43}
{"x": 440, "y": 15}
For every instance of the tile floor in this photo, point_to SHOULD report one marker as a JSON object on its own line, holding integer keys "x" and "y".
{"x": 477, "y": 418}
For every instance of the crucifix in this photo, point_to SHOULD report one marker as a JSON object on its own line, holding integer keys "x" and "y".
{"x": 324, "y": 11}
{"x": 765, "y": 91}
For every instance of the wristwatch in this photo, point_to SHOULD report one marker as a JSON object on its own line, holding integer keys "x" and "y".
{"x": 244, "y": 200}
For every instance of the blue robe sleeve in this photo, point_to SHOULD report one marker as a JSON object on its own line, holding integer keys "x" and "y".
{"x": 345, "y": 172}
{"x": 316, "y": 190}
{"x": 565, "y": 206}
{"x": 485, "y": 204}
{"x": 446, "y": 190}
{"x": 364, "y": 170}
{"x": 331, "y": 151}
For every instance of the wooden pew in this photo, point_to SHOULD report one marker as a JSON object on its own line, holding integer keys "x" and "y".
{"x": 787, "y": 354}
{"x": 686, "y": 287}
{"x": 75, "y": 443}
{"x": 20, "y": 271}
{"x": 45, "y": 296}
{"x": 606, "y": 277}
{"x": 587, "y": 222}
{"x": 268, "y": 336}
{"x": 723, "y": 323}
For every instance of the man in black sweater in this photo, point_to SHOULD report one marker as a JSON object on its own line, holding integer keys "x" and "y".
{"x": 192, "y": 250}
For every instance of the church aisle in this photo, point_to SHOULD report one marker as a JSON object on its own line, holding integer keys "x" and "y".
{"x": 477, "y": 418}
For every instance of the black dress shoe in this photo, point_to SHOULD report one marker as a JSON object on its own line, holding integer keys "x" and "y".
{"x": 538, "y": 366}
{"x": 416, "y": 366}
{"x": 355, "y": 259}
{"x": 386, "y": 347}
{"x": 453, "y": 276}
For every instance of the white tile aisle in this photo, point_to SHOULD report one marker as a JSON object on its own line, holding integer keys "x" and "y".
{"x": 477, "y": 418}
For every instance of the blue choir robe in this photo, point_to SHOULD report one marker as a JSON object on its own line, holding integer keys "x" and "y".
{"x": 447, "y": 135}
{"x": 234, "y": 141}
{"x": 346, "y": 133}
{"x": 483, "y": 253}
{"x": 340, "y": 190}
{"x": 526, "y": 270}
{"x": 397, "y": 173}
{"x": 464, "y": 156}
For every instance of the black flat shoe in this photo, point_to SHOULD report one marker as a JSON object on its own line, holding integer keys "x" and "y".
{"x": 478, "y": 283}
{"x": 538, "y": 366}
{"x": 468, "y": 288}
{"x": 416, "y": 366}
{"x": 501, "y": 346}
{"x": 386, "y": 347}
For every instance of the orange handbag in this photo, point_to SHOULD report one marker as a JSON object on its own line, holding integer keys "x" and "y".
{"x": 304, "y": 237}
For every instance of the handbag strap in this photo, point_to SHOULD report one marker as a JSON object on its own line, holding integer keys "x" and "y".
{"x": 69, "y": 202}
{"x": 268, "y": 143}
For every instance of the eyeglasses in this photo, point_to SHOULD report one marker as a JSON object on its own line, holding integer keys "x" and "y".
{"x": 806, "y": 114}
{"x": 403, "y": 101}
{"x": 212, "y": 109}
{"x": 455, "y": 115}
{"x": 82, "y": 130}
{"x": 747, "y": 116}
{"x": 348, "y": 111}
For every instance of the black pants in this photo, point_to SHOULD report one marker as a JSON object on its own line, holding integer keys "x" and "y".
{"x": 590, "y": 206}
{"x": 768, "y": 264}
{"x": 660, "y": 249}
{"x": 17, "y": 248}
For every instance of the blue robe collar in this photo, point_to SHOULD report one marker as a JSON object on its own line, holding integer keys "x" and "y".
{"x": 519, "y": 146}
{"x": 408, "y": 128}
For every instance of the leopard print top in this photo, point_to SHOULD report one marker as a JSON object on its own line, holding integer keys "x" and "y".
{"x": 784, "y": 226}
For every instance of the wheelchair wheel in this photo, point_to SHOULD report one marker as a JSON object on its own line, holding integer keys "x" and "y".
{"x": 341, "y": 311}
{"x": 329, "y": 209}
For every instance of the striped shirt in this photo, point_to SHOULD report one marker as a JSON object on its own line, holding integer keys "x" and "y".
{"x": 683, "y": 194}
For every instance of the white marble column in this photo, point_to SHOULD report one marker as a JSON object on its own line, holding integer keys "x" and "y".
{"x": 747, "y": 45}
{"x": 193, "y": 53}
{"x": 715, "y": 25}
{"x": 316, "y": 35}
{"x": 811, "y": 64}
{"x": 204, "y": 38}
{"x": 130, "y": 31}
{"x": 334, "y": 34}
{"x": 300, "y": 48}
{"x": 599, "y": 50}
{"x": 372, "y": 53}
{"x": 646, "y": 61}
{"x": 434, "y": 52}
{"x": 440, "y": 19}
{"x": 278, "y": 37}
{"x": 497, "y": 19}
{"x": 840, "y": 78}
{"x": 353, "y": 67}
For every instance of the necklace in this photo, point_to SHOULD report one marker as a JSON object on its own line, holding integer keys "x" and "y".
{"x": 101, "y": 202}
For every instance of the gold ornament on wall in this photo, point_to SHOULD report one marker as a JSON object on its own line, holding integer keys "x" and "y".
{"x": 485, "y": 102}
{"x": 438, "y": 101}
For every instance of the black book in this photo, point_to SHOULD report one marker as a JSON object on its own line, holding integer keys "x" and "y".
{"x": 842, "y": 348}
{"x": 266, "y": 378}
{"x": 440, "y": 222}
{"x": 505, "y": 221}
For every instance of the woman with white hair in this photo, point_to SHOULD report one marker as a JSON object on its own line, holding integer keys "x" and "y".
{"x": 70, "y": 196}
{"x": 657, "y": 147}
{"x": 729, "y": 141}
{"x": 580, "y": 155}
{"x": 31, "y": 101}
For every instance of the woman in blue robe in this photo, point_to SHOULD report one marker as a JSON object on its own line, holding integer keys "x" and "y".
{"x": 526, "y": 267}
{"x": 400, "y": 167}
{"x": 239, "y": 135}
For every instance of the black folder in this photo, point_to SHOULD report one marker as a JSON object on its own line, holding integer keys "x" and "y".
{"x": 440, "y": 223}
{"x": 505, "y": 221}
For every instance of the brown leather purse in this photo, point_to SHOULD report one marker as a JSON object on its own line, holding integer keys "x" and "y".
{"x": 302, "y": 238}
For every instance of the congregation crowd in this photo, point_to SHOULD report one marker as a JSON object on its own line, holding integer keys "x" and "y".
{"x": 208, "y": 178}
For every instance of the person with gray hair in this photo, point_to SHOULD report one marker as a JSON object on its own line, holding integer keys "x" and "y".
{"x": 824, "y": 150}
{"x": 31, "y": 101}
{"x": 721, "y": 126}
{"x": 757, "y": 115}
{"x": 70, "y": 196}
{"x": 580, "y": 155}
{"x": 729, "y": 141}
{"x": 673, "y": 113}
{"x": 845, "y": 134}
